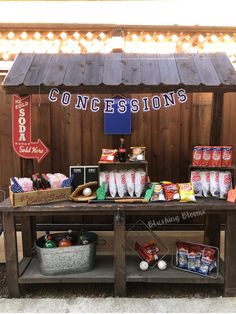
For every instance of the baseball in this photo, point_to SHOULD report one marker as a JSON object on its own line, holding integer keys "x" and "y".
{"x": 143, "y": 265}
{"x": 162, "y": 265}
{"x": 87, "y": 192}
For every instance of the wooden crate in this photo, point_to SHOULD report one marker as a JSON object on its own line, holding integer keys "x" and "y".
{"x": 39, "y": 197}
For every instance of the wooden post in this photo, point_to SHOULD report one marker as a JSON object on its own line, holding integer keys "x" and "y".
{"x": 11, "y": 253}
{"x": 119, "y": 253}
{"x": 216, "y": 119}
{"x": 230, "y": 255}
{"x": 28, "y": 229}
{"x": 212, "y": 225}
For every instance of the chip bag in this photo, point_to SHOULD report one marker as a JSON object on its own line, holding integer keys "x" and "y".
{"x": 171, "y": 191}
{"x": 108, "y": 155}
{"x": 186, "y": 192}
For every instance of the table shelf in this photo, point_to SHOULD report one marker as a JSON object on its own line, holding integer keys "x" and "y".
{"x": 170, "y": 275}
{"x": 102, "y": 272}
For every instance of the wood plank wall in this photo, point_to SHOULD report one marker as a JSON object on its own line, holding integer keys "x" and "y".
{"x": 76, "y": 137}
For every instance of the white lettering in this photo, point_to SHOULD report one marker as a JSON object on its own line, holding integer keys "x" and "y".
{"x": 94, "y": 101}
{"x": 51, "y": 96}
{"x": 122, "y": 106}
{"x": 169, "y": 99}
{"x": 82, "y": 102}
{"x": 65, "y": 98}
{"x": 108, "y": 105}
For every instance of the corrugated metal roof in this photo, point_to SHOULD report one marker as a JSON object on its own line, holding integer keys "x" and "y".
{"x": 120, "y": 72}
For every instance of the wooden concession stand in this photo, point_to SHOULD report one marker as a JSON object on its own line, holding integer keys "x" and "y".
{"x": 121, "y": 73}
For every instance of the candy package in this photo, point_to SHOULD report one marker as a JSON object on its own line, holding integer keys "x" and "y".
{"x": 108, "y": 155}
{"x": 139, "y": 183}
{"x": 196, "y": 182}
{"x": 148, "y": 251}
{"x": 186, "y": 192}
{"x": 121, "y": 183}
{"x": 171, "y": 192}
{"x": 158, "y": 193}
{"x": 137, "y": 153}
{"x": 231, "y": 196}
{"x": 130, "y": 181}
{"x": 182, "y": 254}
{"x": 112, "y": 184}
{"x": 225, "y": 182}
{"x": 214, "y": 183}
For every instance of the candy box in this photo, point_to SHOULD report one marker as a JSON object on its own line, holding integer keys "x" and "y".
{"x": 39, "y": 197}
{"x": 226, "y": 160}
{"x": 197, "y": 156}
{"x": 216, "y": 156}
{"x": 206, "y": 156}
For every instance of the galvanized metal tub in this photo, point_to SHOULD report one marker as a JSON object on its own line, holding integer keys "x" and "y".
{"x": 66, "y": 260}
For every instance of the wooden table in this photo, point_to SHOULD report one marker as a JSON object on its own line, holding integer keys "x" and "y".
{"x": 117, "y": 269}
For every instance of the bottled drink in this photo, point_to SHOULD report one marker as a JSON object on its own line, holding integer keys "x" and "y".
{"x": 122, "y": 151}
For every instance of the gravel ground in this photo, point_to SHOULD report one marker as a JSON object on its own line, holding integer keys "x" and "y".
{"x": 134, "y": 290}
{"x": 99, "y": 298}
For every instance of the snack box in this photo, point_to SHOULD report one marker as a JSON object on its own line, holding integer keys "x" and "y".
{"x": 39, "y": 197}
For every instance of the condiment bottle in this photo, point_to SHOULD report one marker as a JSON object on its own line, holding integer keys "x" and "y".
{"x": 122, "y": 151}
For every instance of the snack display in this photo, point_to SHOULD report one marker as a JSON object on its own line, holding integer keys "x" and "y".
{"x": 137, "y": 153}
{"x": 197, "y": 258}
{"x": 212, "y": 156}
{"x": 104, "y": 177}
{"x": 112, "y": 184}
{"x": 211, "y": 183}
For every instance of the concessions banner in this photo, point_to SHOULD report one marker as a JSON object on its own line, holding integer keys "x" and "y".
{"x": 21, "y": 130}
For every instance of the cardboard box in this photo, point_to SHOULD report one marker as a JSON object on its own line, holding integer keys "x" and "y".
{"x": 39, "y": 197}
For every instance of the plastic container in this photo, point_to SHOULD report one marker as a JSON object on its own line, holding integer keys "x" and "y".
{"x": 66, "y": 260}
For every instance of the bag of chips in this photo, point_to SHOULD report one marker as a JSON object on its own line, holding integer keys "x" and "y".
{"x": 130, "y": 181}
{"x": 108, "y": 155}
{"x": 104, "y": 177}
{"x": 186, "y": 192}
{"x": 214, "y": 183}
{"x": 158, "y": 193}
{"x": 112, "y": 184}
{"x": 121, "y": 183}
{"x": 140, "y": 181}
{"x": 205, "y": 180}
{"x": 171, "y": 192}
{"x": 137, "y": 153}
{"x": 196, "y": 182}
{"x": 225, "y": 182}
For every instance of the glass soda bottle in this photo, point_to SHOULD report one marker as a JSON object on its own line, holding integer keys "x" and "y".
{"x": 122, "y": 151}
